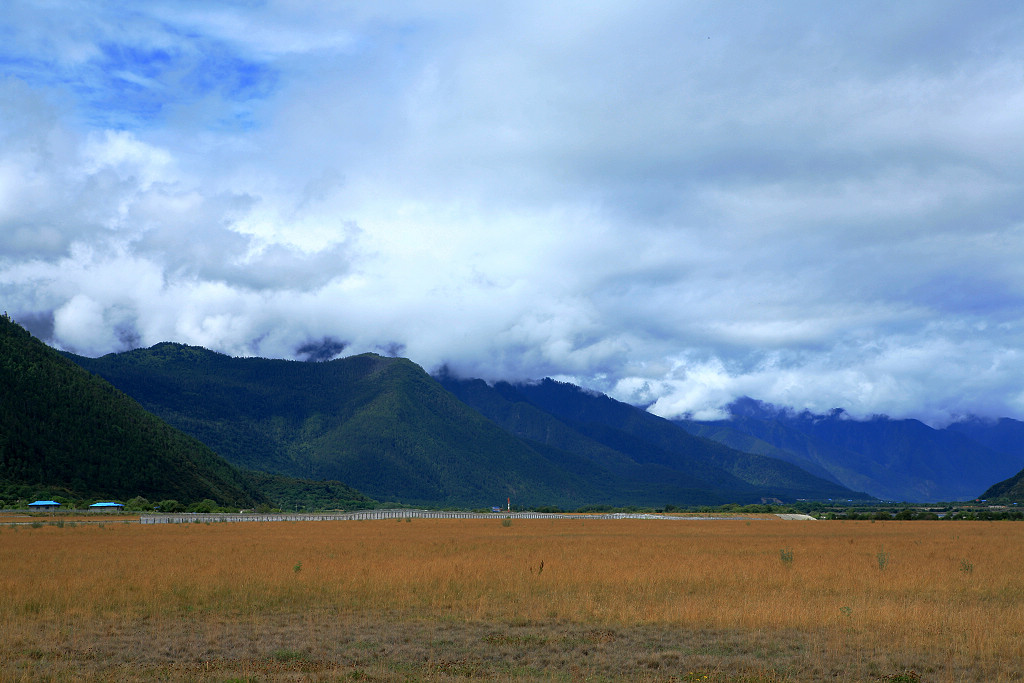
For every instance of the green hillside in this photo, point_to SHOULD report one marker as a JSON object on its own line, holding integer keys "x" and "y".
{"x": 379, "y": 424}
{"x": 386, "y": 427}
{"x": 1008, "y": 491}
{"x": 290, "y": 493}
{"x": 65, "y": 432}
{"x": 778, "y": 441}
{"x": 662, "y": 482}
{"x": 639, "y": 446}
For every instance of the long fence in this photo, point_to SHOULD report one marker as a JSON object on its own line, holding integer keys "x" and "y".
{"x": 199, "y": 517}
{"x": 188, "y": 517}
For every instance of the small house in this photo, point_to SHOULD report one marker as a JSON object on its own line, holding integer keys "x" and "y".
{"x": 44, "y": 505}
{"x": 106, "y": 506}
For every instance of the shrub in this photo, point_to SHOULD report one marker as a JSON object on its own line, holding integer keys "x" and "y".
{"x": 138, "y": 503}
{"x": 170, "y": 505}
{"x": 205, "y": 505}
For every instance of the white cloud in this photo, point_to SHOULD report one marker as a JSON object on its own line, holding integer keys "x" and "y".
{"x": 82, "y": 324}
{"x": 124, "y": 154}
{"x": 680, "y": 203}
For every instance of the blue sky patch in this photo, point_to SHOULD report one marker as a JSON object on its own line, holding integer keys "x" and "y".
{"x": 129, "y": 86}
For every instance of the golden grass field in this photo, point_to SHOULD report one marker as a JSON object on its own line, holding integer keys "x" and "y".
{"x": 439, "y": 600}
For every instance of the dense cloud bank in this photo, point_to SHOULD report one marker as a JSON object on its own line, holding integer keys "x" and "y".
{"x": 674, "y": 202}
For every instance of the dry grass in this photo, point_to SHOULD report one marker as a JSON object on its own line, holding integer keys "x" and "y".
{"x": 538, "y": 600}
{"x": 12, "y": 517}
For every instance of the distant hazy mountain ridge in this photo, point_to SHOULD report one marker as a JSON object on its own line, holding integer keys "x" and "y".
{"x": 903, "y": 460}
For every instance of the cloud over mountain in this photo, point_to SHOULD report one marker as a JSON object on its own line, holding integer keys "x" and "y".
{"x": 679, "y": 203}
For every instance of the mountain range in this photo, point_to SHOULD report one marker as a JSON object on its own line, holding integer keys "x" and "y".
{"x": 185, "y": 422}
{"x": 899, "y": 460}
{"x": 389, "y": 429}
{"x": 65, "y": 433}
{"x": 634, "y": 445}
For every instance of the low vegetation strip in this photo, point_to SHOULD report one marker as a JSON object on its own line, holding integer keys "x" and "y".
{"x": 402, "y": 513}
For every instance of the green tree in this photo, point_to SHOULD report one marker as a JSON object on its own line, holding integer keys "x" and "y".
{"x": 205, "y": 505}
{"x": 170, "y": 505}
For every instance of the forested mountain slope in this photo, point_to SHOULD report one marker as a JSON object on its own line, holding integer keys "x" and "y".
{"x": 635, "y": 444}
{"x": 386, "y": 427}
{"x": 67, "y": 432}
{"x": 379, "y": 424}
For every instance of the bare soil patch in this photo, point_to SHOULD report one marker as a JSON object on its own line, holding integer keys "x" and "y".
{"x": 326, "y": 647}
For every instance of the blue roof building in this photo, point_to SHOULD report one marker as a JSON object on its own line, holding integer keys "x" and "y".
{"x": 44, "y": 505}
{"x": 106, "y": 506}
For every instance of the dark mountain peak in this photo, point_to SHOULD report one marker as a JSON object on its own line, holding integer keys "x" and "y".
{"x": 746, "y": 406}
{"x": 327, "y": 348}
{"x": 173, "y": 348}
{"x": 369, "y": 361}
{"x": 576, "y": 404}
{"x": 169, "y": 352}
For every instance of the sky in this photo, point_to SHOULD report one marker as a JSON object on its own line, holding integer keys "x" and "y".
{"x": 677, "y": 203}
